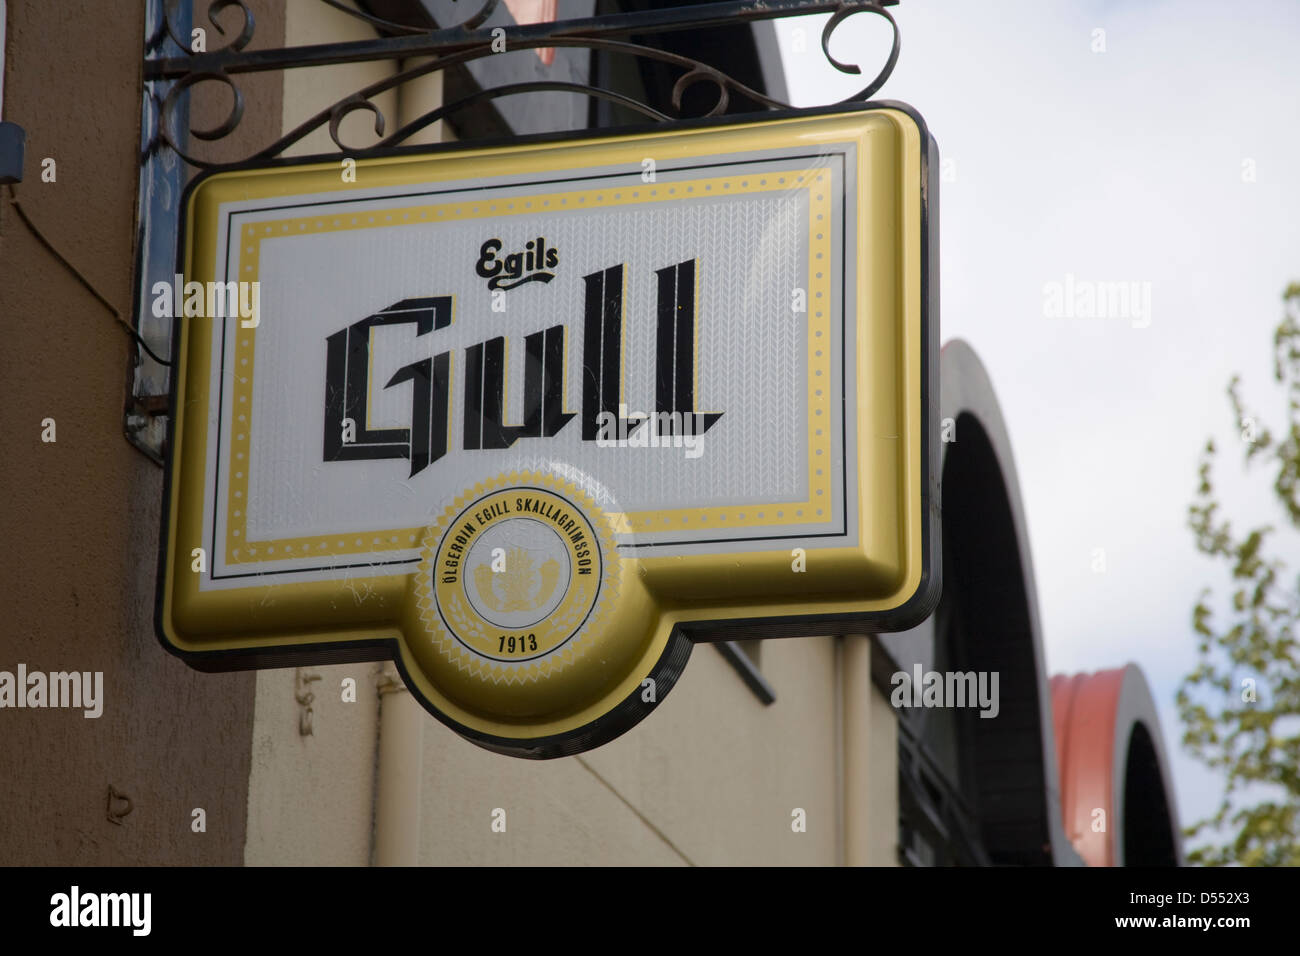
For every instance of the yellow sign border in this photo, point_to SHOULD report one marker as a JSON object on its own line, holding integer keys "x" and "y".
{"x": 238, "y": 548}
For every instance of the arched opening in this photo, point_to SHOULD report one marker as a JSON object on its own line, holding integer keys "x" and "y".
{"x": 972, "y": 788}
{"x": 1148, "y": 830}
{"x": 1021, "y": 787}
{"x": 988, "y": 630}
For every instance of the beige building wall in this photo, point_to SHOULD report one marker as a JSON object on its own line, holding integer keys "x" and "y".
{"x": 882, "y": 784}
{"x": 310, "y": 796}
{"x": 711, "y": 777}
{"x": 309, "y": 91}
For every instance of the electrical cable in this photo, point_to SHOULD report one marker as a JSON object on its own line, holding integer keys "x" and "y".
{"x": 22, "y": 214}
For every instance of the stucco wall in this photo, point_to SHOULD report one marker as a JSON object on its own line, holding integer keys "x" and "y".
{"x": 79, "y": 516}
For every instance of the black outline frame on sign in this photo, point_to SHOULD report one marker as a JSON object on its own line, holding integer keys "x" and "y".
{"x": 668, "y": 669}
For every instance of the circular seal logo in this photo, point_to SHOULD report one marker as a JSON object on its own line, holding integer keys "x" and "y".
{"x": 514, "y": 576}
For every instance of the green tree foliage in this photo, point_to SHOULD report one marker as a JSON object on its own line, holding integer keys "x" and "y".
{"x": 1240, "y": 705}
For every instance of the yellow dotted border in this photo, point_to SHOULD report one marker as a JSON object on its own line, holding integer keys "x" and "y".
{"x": 816, "y": 510}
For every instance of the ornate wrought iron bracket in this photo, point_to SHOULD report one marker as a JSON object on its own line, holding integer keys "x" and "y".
{"x": 172, "y": 69}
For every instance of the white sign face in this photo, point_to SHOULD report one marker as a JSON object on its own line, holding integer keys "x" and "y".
{"x": 507, "y": 410}
{"x": 656, "y": 285}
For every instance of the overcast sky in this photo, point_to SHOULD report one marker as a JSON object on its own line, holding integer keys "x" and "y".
{"x": 1123, "y": 165}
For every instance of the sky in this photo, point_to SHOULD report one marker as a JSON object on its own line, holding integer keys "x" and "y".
{"x": 1162, "y": 151}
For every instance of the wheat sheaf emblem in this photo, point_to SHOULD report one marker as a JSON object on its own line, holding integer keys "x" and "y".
{"x": 522, "y": 586}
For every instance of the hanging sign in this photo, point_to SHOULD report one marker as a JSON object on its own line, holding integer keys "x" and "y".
{"x": 532, "y": 419}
